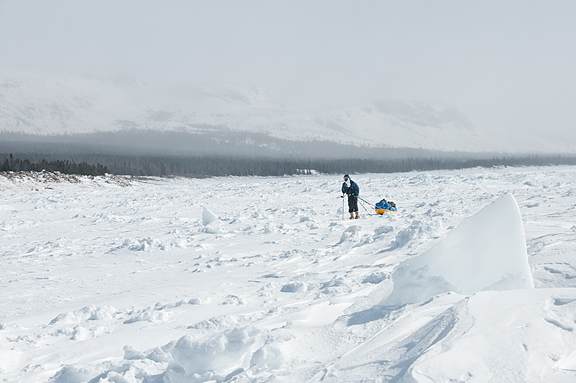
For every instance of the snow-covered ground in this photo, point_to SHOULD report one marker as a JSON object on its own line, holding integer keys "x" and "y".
{"x": 113, "y": 280}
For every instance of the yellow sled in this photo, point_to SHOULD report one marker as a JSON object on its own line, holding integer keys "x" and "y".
{"x": 382, "y": 208}
{"x": 382, "y": 211}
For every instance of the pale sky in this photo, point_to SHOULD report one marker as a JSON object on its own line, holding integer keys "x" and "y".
{"x": 510, "y": 62}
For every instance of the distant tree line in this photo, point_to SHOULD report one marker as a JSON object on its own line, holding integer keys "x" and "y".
{"x": 241, "y": 166}
{"x": 206, "y": 166}
{"x": 65, "y": 167}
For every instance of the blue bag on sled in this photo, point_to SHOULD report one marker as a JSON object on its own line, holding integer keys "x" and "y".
{"x": 385, "y": 207}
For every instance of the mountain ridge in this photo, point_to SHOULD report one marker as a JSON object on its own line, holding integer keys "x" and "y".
{"x": 59, "y": 104}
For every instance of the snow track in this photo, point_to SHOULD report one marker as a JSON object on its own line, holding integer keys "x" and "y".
{"x": 118, "y": 280}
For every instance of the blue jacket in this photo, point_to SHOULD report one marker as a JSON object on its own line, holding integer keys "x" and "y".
{"x": 353, "y": 190}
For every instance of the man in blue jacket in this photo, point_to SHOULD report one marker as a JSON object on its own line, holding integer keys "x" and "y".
{"x": 351, "y": 189}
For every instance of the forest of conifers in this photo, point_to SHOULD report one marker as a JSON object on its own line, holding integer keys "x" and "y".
{"x": 62, "y": 166}
{"x": 206, "y": 166}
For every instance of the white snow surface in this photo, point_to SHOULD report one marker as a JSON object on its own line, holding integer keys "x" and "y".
{"x": 113, "y": 279}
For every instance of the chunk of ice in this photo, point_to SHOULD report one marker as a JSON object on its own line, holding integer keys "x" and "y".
{"x": 486, "y": 252}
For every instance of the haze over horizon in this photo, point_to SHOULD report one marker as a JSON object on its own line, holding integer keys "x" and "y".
{"x": 508, "y": 64}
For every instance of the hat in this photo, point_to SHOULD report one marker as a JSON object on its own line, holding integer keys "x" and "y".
{"x": 346, "y": 176}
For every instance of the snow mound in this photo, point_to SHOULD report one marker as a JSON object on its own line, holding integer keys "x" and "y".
{"x": 198, "y": 361}
{"x": 418, "y": 229}
{"x": 486, "y": 252}
{"x": 350, "y": 234}
{"x": 149, "y": 315}
{"x": 269, "y": 357}
{"x": 87, "y": 313}
{"x": 70, "y": 374}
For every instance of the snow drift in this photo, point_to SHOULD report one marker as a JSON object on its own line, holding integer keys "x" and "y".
{"x": 486, "y": 252}
{"x": 501, "y": 330}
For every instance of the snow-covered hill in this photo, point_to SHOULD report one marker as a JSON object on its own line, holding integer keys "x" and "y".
{"x": 58, "y": 104}
{"x": 261, "y": 280}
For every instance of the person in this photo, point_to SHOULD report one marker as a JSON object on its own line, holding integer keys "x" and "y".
{"x": 351, "y": 189}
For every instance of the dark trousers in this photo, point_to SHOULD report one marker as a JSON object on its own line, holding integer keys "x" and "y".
{"x": 352, "y": 204}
